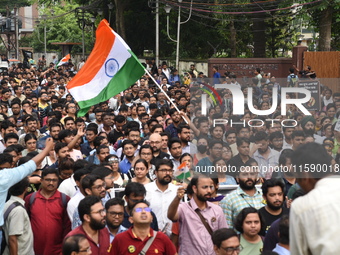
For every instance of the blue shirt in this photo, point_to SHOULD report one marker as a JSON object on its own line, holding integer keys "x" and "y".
{"x": 85, "y": 148}
{"x": 172, "y": 130}
{"x": 124, "y": 165}
{"x": 9, "y": 177}
{"x": 120, "y": 230}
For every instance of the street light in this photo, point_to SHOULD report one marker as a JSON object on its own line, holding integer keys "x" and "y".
{"x": 110, "y": 5}
{"x": 167, "y": 9}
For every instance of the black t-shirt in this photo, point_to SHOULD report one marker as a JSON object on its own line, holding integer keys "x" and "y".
{"x": 114, "y": 135}
{"x": 160, "y": 156}
{"x": 269, "y": 218}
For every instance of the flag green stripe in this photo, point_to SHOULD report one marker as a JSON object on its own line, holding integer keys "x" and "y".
{"x": 131, "y": 71}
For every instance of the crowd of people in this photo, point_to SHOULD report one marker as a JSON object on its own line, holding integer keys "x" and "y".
{"x": 146, "y": 172}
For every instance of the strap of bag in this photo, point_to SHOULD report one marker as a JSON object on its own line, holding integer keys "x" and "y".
{"x": 204, "y": 221}
{"x": 10, "y": 208}
{"x": 148, "y": 243}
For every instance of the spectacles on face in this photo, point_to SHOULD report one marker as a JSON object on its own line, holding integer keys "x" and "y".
{"x": 115, "y": 214}
{"x": 51, "y": 180}
{"x": 88, "y": 249}
{"x": 155, "y": 142}
{"x": 140, "y": 209}
{"x": 102, "y": 212}
{"x": 166, "y": 170}
{"x": 231, "y": 250}
{"x": 99, "y": 187}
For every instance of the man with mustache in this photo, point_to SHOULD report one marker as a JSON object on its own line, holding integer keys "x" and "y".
{"x": 48, "y": 214}
{"x": 246, "y": 195}
{"x": 92, "y": 214}
{"x": 195, "y": 236}
{"x": 273, "y": 194}
{"x": 161, "y": 192}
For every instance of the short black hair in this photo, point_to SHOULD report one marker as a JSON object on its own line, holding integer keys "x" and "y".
{"x": 6, "y": 158}
{"x": 59, "y": 145}
{"x": 241, "y": 140}
{"x": 163, "y": 162}
{"x": 102, "y": 171}
{"x": 85, "y": 205}
{"x": 221, "y": 235}
{"x": 261, "y": 135}
{"x": 114, "y": 201}
{"x": 172, "y": 141}
{"x": 270, "y": 183}
{"x": 49, "y": 171}
{"x": 135, "y": 188}
{"x": 88, "y": 181}
{"x": 11, "y": 136}
{"x": 284, "y": 229}
{"x": 20, "y": 187}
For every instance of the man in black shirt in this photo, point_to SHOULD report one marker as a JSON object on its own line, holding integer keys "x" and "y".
{"x": 273, "y": 194}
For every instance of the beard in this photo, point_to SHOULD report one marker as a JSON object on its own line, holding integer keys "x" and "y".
{"x": 309, "y": 131}
{"x": 203, "y": 198}
{"x": 96, "y": 225}
{"x": 245, "y": 186}
{"x": 165, "y": 182}
{"x": 110, "y": 225}
{"x": 274, "y": 207}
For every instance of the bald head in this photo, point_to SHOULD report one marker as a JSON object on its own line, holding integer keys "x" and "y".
{"x": 155, "y": 142}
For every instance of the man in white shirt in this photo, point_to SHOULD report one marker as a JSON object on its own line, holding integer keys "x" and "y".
{"x": 314, "y": 217}
{"x": 161, "y": 192}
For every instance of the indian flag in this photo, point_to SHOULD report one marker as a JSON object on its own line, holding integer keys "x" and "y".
{"x": 111, "y": 68}
{"x": 64, "y": 60}
{"x": 182, "y": 172}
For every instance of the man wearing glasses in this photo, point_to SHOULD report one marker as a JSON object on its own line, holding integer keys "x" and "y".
{"x": 115, "y": 216}
{"x": 92, "y": 214}
{"x": 48, "y": 215}
{"x": 226, "y": 242}
{"x": 161, "y": 192}
{"x": 141, "y": 234}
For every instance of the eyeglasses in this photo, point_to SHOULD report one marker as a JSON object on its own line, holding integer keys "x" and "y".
{"x": 217, "y": 149}
{"x": 88, "y": 249}
{"x": 231, "y": 250}
{"x": 99, "y": 187}
{"x": 140, "y": 209}
{"x": 51, "y": 180}
{"x": 113, "y": 160}
{"x": 166, "y": 170}
{"x": 102, "y": 212}
{"x": 115, "y": 214}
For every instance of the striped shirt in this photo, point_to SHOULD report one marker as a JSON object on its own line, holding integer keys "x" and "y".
{"x": 233, "y": 203}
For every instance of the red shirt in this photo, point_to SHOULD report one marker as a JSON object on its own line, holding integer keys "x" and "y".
{"x": 127, "y": 243}
{"x": 103, "y": 239}
{"x": 49, "y": 221}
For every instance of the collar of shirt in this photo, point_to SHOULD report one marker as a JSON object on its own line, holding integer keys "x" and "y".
{"x": 271, "y": 154}
{"x": 241, "y": 192}
{"x": 194, "y": 205}
{"x": 169, "y": 189}
{"x": 134, "y": 236}
{"x": 16, "y": 199}
{"x": 120, "y": 230}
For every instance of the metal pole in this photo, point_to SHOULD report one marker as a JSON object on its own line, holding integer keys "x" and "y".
{"x": 83, "y": 41}
{"x": 16, "y": 32}
{"x": 178, "y": 34}
{"x": 157, "y": 33}
{"x": 45, "y": 38}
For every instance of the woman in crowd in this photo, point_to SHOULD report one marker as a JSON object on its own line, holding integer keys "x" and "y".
{"x": 141, "y": 169}
{"x": 30, "y": 144}
{"x": 250, "y": 223}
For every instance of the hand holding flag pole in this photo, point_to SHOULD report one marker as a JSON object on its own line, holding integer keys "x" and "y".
{"x": 159, "y": 86}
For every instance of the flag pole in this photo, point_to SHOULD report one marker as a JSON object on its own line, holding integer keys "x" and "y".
{"x": 164, "y": 93}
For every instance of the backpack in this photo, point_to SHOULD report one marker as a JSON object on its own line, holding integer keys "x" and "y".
{"x": 293, "y": 80}
{"x": 6, "y": 214}
{"x": 63, "y": 200}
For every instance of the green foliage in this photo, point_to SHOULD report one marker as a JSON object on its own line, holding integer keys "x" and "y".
{"x": 59, "y": 28}
{"x": 10, "y": 4}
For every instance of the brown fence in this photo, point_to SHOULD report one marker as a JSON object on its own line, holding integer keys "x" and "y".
{"x": 326, "y": 65}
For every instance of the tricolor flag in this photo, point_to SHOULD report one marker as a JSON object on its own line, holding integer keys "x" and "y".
{"x": 64, "y": 60}
{"x": 182, "y": 172}
{"x": 111, "y": 68}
